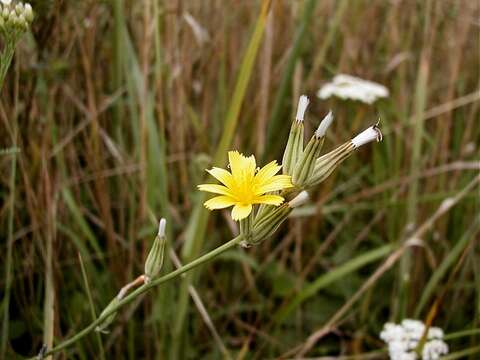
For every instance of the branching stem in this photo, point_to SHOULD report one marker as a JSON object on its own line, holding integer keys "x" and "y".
{"x": 142, "y": 289}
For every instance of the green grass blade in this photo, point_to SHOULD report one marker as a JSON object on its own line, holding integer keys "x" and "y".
{"x": 326, "y": 279}
{"x": 9, "y": 262}
{"x": 446, "y": 264}
{"x": 198, "y": 221}
{"x": 91, "y": 304}
{"x": 275, "y": 123}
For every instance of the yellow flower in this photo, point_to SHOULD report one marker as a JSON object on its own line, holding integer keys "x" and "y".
{"x": 244, "y": 187}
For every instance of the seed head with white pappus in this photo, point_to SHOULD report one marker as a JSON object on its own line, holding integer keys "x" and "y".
{"x": 304, "y": 167}
{"x": 293, "y": 150}
{"x": 326, "y": 164}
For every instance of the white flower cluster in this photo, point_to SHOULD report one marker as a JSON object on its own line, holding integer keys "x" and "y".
{"x": 354, "y": 88}
{"x": 15, "y": 16}
{"x": 403, "y": 339}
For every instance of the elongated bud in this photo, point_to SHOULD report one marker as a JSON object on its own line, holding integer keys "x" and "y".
{"x": 155, "y": 257}
{"x": 110, "y": 318}
{"x": 299, "y": 200}
{"x": 304, "y": 168}
{"x": 28, "y": 12}
{"x": 327, "y": 163}
{"x": 19, "y": 8}
{"x": 267, "y": 225}
{"x": 294, "y": 147}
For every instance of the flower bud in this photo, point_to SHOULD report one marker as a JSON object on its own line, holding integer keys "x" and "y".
{"x": 12, "y": 18}
{"x": 19, "y": 8}
{"x": 28, "y": 12}
{"x": 22, "y": 23}
{"x": 327, "y": 163}
{"x": 155, "y": 257}
{"x": 5, "y": 14}
{"x": 304, "y": 168}
{"x": 267, "y": 225}
{"x": 294, "y": 147}
{"x": 110, "y": 318}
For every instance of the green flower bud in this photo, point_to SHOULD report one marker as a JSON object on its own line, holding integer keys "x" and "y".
{"x": 28, "y": 12}
{"x": 110, "y": 318}
{"x": 5, "y": 14}
{"x": 327, "y": 163}
{"x": 267, "y": 225}
{"x": 155, "y": 257}
{"x": 22, "y": 23}
{"x": 19, "y": 8}
{"x": 294, "y": 147}
{"x": 304, "y": 168}
{"x": 12, "y": 18}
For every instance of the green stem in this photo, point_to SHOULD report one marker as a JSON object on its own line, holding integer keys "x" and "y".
{"x": 462, "y": 354}
{"x": 142, "y": 289}
{"x": 6, "y": 59}
{"x": 8, "y": 261}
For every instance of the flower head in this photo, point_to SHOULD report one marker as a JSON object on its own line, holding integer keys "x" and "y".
{"x": 404, "y": 338}
{"x": 351, "y": 87}
{"x": 244, "y": 186}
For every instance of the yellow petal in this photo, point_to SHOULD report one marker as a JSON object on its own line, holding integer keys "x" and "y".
{"x": 240, "y": 212}
{"x": 269, "y": 200}
{"x": 250, "y": 165}
{"x": 219, "y": 202}
{"x": 241, "y": 165}
{"x": 216, "y": 189}
{"x": 266, "y": 172}
{"x": 276, "y": 183}
{"x": 235, "y": 161}
{"x": 223, "y": 176}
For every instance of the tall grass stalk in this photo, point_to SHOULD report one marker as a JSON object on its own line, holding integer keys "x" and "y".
{"x": 198, "y": 222}
{"x": 275, "y": 125}
{"x": 9, "y": 262}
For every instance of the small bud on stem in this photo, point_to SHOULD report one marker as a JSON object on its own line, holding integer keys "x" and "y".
{"x": 155, "y": 257}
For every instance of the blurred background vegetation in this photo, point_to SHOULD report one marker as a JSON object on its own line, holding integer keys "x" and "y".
{"x": 117, "y": 107}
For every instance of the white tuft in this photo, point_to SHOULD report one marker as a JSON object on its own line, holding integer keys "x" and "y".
{"x": 6, "y": 2}
{"x": 302, "y": 107}
{"x": 367, "y": 135}
{"x": 161, "y": 227}
{"x": 353, "y": 88}
{"x": 324, "y": 125}
{"x": 299, "y": 200}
